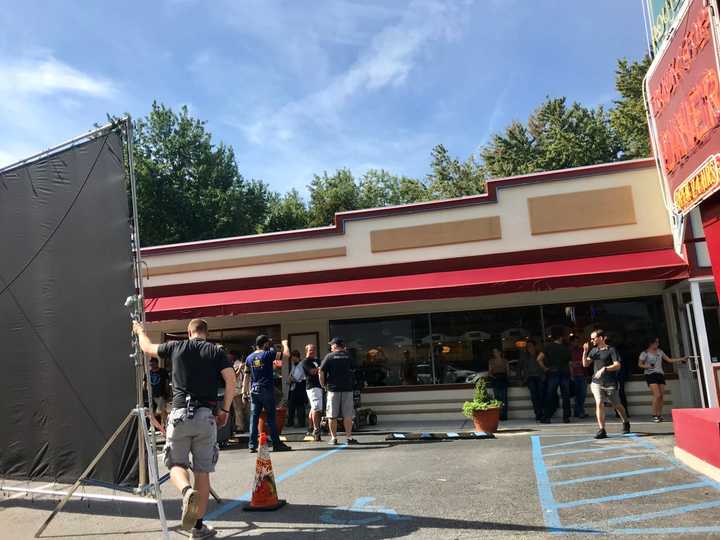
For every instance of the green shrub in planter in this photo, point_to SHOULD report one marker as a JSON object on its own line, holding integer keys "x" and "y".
{"x": 481, "y": 401}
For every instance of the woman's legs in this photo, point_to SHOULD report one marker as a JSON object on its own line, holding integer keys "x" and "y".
{"x": 657, "y": 401}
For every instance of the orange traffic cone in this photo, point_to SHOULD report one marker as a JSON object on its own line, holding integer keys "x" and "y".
{"x": 264, "y": 493}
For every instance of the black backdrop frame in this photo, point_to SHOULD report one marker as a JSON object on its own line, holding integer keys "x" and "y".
{"x": 39, "y": 299}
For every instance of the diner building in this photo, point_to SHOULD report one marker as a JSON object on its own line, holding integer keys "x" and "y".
{"x": 421, "y": 293}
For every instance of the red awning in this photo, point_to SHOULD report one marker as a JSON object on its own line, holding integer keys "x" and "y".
{"x": 656, "y": 265}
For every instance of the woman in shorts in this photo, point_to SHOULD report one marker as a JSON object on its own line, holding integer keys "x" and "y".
{"x": 651, "y": 360}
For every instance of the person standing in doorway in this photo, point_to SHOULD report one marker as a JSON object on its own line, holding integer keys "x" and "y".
{"x": 651, "y": 361}
{"x": 159, "y": 383}
{"x": 242, "y": 409}
{"x": 195, "y": 416}
{"x": 555, "y": 359}
{"x": 314, "y": 391}
{"x": 604, "y": 386}
{"x": 259, "y": 388}
{"x": 297, "y": 396}
{"x": 336, "y": 377}
{"x": 579, "y": 379}
{"x": 498, "y": 374}
{"x": 532, "y": 374}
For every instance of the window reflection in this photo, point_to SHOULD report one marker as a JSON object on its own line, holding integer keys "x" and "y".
{"x": 455, "y": 347}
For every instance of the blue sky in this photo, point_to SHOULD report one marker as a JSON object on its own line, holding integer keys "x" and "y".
{"x": 301, "y": 87}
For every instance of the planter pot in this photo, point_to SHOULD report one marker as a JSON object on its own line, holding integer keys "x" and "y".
{"x": 280, "y": 415}
{"x": 487, "y": 421}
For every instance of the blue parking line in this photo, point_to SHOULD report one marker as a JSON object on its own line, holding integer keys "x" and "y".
{"x": 633, "y": 495}
{"x": 605, "y": 448}
{"x": 623, "y": 474}
{"x": 230, "y": 505}
{"x": 547, "y": 501}
{"x": 668, "y": 530}
{"x": 580, "y": 441}
{"x": 596, "y": 461}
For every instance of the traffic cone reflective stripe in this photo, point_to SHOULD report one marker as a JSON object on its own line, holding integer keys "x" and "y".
{"x": 264, "y": 492}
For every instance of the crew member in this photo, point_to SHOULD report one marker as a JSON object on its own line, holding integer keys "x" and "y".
{"x": 336, "y": 377}
{"x": 258, "y": 387}
{"x": 195, "y": 415}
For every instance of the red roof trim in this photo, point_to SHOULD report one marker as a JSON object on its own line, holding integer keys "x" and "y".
{"x": 493, "y": 185}
{"x": 658, "y": 265}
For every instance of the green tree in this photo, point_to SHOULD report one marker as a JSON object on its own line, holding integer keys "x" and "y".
{"x": 379, "y": 188}
{"x": 557, "y": 136}
{"x": 189, "y": 188}
{"x": 628, "y": 117}
{"x": 332, "y": 194}
{"x": 287, "y": 212}
{"x": 451, "y": 177}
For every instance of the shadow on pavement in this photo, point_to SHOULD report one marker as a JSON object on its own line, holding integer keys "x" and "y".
{"x": 327, "y": 522}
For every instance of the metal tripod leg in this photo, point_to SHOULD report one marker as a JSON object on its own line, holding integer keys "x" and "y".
{"x": 215, "y": 496}
{"x": 85, "y": 473}
{"x": 152, "y": 465}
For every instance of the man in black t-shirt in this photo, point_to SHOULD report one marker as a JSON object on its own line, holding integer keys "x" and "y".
{"x": 604, "y": 384}
{"x": 314, "y": 391}
{"x": 192, "y": 429}
{"x": 555, "y": 359}
{"x": 336, "y": 377}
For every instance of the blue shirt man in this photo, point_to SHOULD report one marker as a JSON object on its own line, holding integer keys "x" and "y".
{"x": 258, "y": 387}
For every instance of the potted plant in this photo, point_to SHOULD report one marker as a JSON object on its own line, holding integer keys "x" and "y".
{"x": 484, "y": 411}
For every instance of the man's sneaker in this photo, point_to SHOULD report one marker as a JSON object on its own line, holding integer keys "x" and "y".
{"x": 253, "y": 450}
{"x": 626, "y": 427}
{"x": 190, "y": 510}
{"x": 601, "y": 434}
{"x": 205, "y": 532}
{"x": 352, "y": 441}
{"x": 333, "y": 440}
{"x": 316, "y": 436}
{"x": 281, "y": 447}
{"x": 309, "y": 433}
{"x": 656, "y": 419}
{"x": 660, "y": 419}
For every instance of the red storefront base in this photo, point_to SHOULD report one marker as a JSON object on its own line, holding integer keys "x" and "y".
{"x": 710, "y": 212}
{"x": 697, "y": 439}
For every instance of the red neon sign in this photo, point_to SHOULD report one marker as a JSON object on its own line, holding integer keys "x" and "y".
{"x": 683, "y": 89}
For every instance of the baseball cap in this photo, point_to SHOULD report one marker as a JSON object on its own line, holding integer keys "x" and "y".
{"x": 340, "y": 342}
{"x": 261, "y": 340}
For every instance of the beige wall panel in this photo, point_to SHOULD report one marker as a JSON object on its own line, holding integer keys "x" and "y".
{"x": 581, "y": 210}
{"x": 258, "y": 260}
{"x": 436, "y": 234}
{"x": 652, "y": 220}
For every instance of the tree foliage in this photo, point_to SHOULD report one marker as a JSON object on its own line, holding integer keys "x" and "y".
{"x": 287, "y": 212}
{"x": 188, "y": 188}
{"x": 450, "y": 177}
{"x": 628, "y": 117}
{"x": 332, "y": 194}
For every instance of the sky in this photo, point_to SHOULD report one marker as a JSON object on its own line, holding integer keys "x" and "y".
{"x": 298, "y": 88}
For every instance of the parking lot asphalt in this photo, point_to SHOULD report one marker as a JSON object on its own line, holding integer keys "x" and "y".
{"x": 529, "y": 482}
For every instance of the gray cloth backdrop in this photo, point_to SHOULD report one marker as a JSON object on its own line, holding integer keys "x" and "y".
{"x": 65, "y": 272}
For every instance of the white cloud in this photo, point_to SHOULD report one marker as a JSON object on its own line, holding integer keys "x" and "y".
{"x": 44, "y": 101}
{"x": 50, "y": 76}
{"x": 386, "y": 61}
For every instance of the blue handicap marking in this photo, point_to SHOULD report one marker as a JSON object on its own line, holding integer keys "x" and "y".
{"x": 374, "y": 513}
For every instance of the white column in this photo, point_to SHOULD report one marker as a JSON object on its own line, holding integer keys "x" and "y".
{"x": 700, "y": 330}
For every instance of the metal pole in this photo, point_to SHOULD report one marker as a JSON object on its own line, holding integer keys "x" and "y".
{"x": 58, "y": 147}
{"x": 152, "y": 464}
{"x": 85, "y": 473}
{"x": 705, "y": 360}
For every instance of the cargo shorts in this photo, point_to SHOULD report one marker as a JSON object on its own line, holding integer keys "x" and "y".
{"x": 340, "y": 405}
{"x": 196, "y": 437}
{"x": 608, "y": 394}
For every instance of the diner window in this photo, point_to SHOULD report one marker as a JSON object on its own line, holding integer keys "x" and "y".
{"x": 463, "y": 340}
{"x": 627, "y": 323}
{"x": 389, "y": 351}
